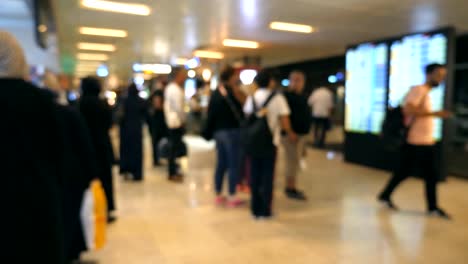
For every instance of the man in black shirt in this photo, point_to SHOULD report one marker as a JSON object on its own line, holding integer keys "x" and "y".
{"x": 300, "y": 124}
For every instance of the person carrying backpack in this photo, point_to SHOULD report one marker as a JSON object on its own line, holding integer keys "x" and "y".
{"x": 418, "y": 144}
{"x": 268, "y": 113}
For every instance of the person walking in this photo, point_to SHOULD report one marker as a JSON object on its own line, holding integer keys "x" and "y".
{"x": 98, "y": 117}
{"x": 321, "y": 102}
{"x": 134, "y": 115}
{"x": 419, "y": 150}
{"x": 271, "y": 106}
{"x": 294, "y": 150}
{"x": 174, "y": 111}
{"x": 224, "y": 119}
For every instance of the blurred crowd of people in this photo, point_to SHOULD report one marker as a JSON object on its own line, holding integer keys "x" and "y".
{"x": 52, "y": 149}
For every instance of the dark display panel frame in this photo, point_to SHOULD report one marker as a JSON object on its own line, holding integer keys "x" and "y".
{"x": 367, "y": 148}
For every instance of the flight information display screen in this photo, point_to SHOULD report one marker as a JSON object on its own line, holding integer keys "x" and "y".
{"x": 409, "y": 57}
{"x": 366, "y": 92}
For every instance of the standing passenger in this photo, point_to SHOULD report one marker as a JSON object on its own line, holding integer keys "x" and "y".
{"x": 30, "y": 160}
{"x": 274, "y": 107}
{"x": 174, "y": 111}
{"x": 98, "y": 117}
{"x": 224, "y": 119}
{"x": 322, "y": 105}
{"x": 131, "y": 134}
{"x": 157, "y": 123}
{"x": 300, "y": 113}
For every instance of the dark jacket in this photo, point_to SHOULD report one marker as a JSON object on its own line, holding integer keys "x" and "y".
{"x": 222, "y": 114}
{"x": 30, "y": 140}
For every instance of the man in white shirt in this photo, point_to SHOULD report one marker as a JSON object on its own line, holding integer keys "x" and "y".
{"x": 262, "y": 168}
{"x": 419, "y": 150}
{"x": 174, "y": 111}
{"x": 321, "y": 101}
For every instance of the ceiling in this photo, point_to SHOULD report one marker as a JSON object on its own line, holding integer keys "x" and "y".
{"x": 176, "y": 27}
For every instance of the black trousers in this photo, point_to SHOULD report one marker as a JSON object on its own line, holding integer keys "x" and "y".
{"x": 423, "y": 159}
{"x": 320, "y": 131}
{"x": 261, "y": 185}
{"x": 175, "y": 142}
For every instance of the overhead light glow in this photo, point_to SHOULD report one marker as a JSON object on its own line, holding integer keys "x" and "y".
{"x": 206, "y": 74}
{"x": 92, "y": 56}
{"x": 118, "y": 7}
{"x": 192, "y": 63}
{"x": 191, "y": 74}
{"x": 152, "y": 68}
{"x": 180, "y": 61}
{"x": 332, "y": 79}
{"x": 247, "y": 76}
{"x": 208, "y": 54}
{"x": 285, "y": 82}
{"x": 96, "y": 46}
{"x": 240, "y": 43}
{"x": 105, "y": 32}
{"x": 291, "y": 27}
{"x": 102, "y": 71}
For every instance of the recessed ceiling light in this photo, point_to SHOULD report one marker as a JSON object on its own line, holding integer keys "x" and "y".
{"x": 208, "y": 54}
{"x": 291, "y": 27}
{"x": 118, "y": 7}
{"x": 240, "y": 43}
{"x": 152, "y": 68}
{"x": 105, "y": 32}
{"x": 180, "y": 61}
{"x": 92, "y": 56}
{"x": 96, "y": 46}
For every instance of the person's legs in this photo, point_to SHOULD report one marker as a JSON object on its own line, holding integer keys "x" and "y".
{"x": 323, "y": 132}
{"x": 317, "y": 125}
{"x": 401, "y": 172}
{"x": 255, "y": 186}
{"x": 156, "y": 154}
{"x": 430, "y": 176}
{"x": 175, "y": 137}
{"x": 291, "y": 161}
{"x": 268, "y": 170}
{"x": 233, "y": 160}
{"x": 221, "y": 165}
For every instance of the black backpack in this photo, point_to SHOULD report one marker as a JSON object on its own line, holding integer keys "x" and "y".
{"x": 257, "y": 136}
{"x": 394, "y": 131}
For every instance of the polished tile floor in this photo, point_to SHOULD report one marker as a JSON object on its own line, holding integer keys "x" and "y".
{"x": 162, "y": 222}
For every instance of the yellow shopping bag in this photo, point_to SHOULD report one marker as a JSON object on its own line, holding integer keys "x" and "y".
{"x": 100, "y": 214}
{"x": 94, "y": 216}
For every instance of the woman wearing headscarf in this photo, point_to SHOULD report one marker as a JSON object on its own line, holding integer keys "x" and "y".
{"x": 98, "y": 117}
{"x": 30, "y": 160}
{"x": 134, "y": 115}
{"x": 79, "y": 166}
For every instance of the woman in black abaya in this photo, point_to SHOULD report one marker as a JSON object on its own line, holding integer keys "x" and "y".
{"x": 134, "y": 115}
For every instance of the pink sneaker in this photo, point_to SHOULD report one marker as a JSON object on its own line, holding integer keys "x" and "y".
{"x": 220, "y": 200}
{"x": 235, "y": 203}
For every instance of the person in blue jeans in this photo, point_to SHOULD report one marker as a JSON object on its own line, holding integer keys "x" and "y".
{"x": 223, "y": 121}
